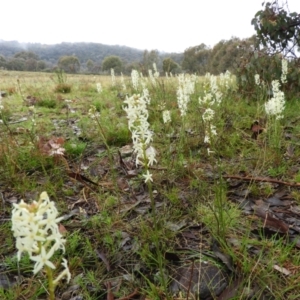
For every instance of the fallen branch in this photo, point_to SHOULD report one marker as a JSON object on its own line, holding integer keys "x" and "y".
{"x": 262, "y": 179}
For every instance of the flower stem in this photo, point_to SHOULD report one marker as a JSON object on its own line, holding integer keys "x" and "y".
{"x": 159, "y": 255}
{"x": 51, "y": 286}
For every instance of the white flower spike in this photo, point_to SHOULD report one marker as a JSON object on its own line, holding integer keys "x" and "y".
{"x": 35, "y": 227}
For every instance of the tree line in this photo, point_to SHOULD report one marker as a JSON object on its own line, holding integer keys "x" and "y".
{"x": 198, "y": 59}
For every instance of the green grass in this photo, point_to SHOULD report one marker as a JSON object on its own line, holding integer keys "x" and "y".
{"x": 137, "y": 227}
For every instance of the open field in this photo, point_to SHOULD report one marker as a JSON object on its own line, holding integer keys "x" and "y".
{"x": 179, "y": 190}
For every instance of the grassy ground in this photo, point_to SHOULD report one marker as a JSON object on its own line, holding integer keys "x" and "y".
{"x": 232, "y": 201}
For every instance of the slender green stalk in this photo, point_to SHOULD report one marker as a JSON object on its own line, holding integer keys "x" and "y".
{"x": 51, "y": 286}
{"x": 159, "y": 255}
{"x": 104, "y": 139}
{"x": 95, "y": 117}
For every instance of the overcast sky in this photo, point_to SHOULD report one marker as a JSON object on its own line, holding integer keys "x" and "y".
{"x": 165, "y": 25}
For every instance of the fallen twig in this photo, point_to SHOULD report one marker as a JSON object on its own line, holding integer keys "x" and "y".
{"x": 262, "y": 179}
{"x": 134, "y": 293}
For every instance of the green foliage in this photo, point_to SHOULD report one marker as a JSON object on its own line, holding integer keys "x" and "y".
{"x": 278, "y": 31}
{"x": 84, "y": 51}
{"x": 99, "y": 105}
{"x": 169, "y": 65}
{"x": 112, "y": 62}
{"x": 5, "y": 114}
{"x": 60, "y": 76}
{"x": 26, "y": 55}
{"x": 41, "y": 65}
{"x": 75, "y": 148}
{"x": 50, "y": 54}
{"x": 225, "y": 55}
{"x": 24, "y": 61}
{"x": 119, "y": 136}
{"x": 7, "y": 294}
{"x": 90, "y": 65}
{"x": 132, "y": 66}
{"x": 195, "y": 59}
{"x": 17, "y": 64}
{"x": 149, "y": 58}
{"x": 268, "y": 67}
{"x": 31, "y": 64}
{"x": 277, "y": 171}
{"x": 69, "y": 64}
{"x": 3, "y": 62}
{"x": 277, "y": 28}
{"x": 48, "y": 103}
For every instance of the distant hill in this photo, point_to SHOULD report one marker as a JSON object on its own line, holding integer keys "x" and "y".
{"x": 84, "y": 51}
